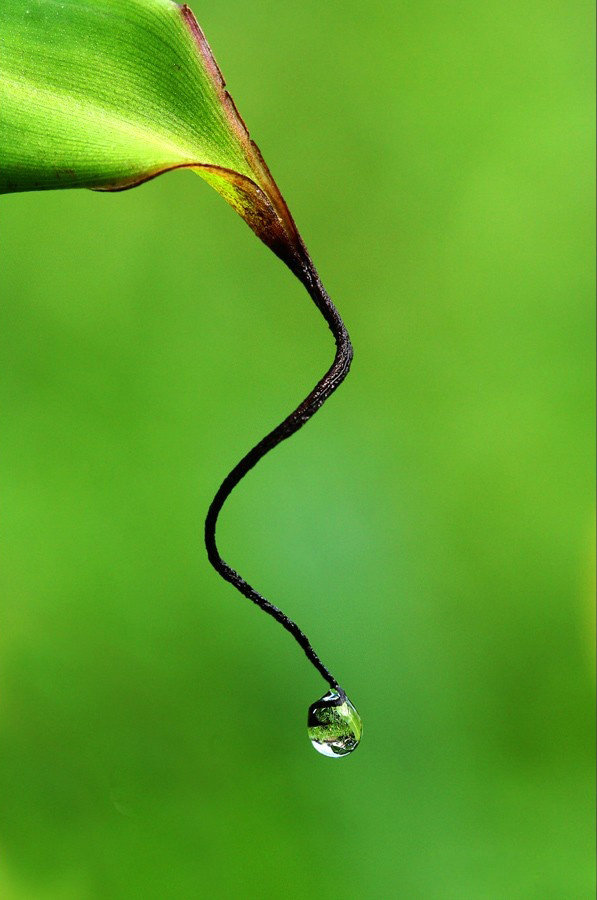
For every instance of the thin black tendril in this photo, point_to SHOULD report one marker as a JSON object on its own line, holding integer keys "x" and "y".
{"x": 322, "y": 390}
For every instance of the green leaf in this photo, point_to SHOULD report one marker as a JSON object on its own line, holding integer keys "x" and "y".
{"x": 106, "y": 94}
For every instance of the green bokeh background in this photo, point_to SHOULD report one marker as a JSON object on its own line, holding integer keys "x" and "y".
{"x": 431, "y": 529}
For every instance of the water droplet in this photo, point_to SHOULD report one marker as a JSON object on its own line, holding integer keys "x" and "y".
{"x": 333, "y": 725}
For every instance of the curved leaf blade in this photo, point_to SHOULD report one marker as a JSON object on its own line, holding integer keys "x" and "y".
{"x": 106, "y": 94}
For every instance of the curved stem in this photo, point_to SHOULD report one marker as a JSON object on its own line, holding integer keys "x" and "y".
{"x": 322, "y": 390}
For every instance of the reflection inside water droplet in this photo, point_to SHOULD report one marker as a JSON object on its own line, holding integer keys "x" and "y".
{"x": 333, "y": 725}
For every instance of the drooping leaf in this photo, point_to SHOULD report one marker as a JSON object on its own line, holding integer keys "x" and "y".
{"x": 106, "y": 94}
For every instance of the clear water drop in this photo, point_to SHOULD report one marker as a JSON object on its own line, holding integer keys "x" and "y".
{"x": 333, "y": 725}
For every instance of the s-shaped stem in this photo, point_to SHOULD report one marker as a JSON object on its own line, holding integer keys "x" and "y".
{"x": 322, "y": 390}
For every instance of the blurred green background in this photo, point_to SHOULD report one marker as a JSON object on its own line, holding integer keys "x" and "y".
{"x": 431, "y": 529}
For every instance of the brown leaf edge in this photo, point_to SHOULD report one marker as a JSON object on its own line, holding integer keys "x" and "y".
{"x": 258, "y": 201}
